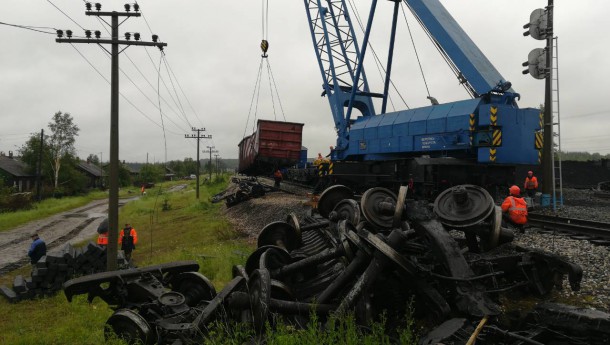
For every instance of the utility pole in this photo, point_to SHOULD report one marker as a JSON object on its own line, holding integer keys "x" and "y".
{"x": 39, "y": 167}
{"x": 216, "y": 164}
{"x": 210, "y": 151}
{"x": 113, "y": 175}
{"x": 101, "y": 173}
{"x": 198, "y": 136}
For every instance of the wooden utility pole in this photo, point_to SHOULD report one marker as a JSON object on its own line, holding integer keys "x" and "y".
{"x": 113, "y": 175}
{"x": 39, "y": 168}
{"x": 210, "y": 151}
{"x": 198, "y": 136}
{"x": 216, "y": 157}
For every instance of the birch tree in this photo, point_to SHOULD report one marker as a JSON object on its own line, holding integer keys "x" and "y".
{"x": 61, "y": 141}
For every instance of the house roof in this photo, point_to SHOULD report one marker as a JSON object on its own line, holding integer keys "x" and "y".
{"x": 91, "y": 169}
{"x": 14, "y": 166}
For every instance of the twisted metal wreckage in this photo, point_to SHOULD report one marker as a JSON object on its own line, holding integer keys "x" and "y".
{"x": 372, "y": 254}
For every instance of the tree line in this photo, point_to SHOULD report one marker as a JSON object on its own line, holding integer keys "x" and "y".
{"x": 59, "y": 162}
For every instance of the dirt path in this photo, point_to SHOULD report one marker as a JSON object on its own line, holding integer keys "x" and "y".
{"x": 71, "y": 226}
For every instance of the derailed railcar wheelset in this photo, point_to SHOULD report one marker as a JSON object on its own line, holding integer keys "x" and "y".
{"x": 366, "y": 255}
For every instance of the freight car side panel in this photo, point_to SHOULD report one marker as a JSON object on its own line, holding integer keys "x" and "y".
{"x": 273, "y": 144}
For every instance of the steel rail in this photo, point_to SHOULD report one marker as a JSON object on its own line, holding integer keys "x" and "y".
{"x": 593, "y": 229}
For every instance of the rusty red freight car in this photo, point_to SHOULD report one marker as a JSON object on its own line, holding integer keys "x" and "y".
{"x": 274, "y": 144}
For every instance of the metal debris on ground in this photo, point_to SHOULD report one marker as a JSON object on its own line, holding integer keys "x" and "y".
{"x": 244, "y": 188}
{"x": 52, "y": 270}
{"x": 369, "y": 255}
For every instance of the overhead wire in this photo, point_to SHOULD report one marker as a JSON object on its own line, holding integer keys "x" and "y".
{"x": 149, "y": 83}
{"x": 65, "y": 14}
{"x": 159, "y": 100}
{"x": 120, "y": 93}
{"x": 148, "y": 98}
{"x": 32, "y": 28}
{"x": 168, "y": 66}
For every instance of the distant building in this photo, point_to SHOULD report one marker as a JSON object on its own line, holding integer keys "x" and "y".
{"x": 14, "y": 173}
{"x": 93, "y": 172}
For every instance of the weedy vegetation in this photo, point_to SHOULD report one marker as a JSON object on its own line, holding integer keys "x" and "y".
{"x": 174, "y": 225}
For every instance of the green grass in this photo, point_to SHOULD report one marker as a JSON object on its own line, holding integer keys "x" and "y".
{"x": 187, "y": 230}
{"x": 49, "y": 207}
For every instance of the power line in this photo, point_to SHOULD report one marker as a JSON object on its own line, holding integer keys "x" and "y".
{"x": 64, "y": 13}
{"x": 32, "y": 28}
{"x": 122, "y": 95}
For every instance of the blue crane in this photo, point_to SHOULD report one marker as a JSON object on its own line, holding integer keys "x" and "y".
{"x": 488, "y": 129}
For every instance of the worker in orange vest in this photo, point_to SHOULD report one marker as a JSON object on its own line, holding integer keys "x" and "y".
{"x": 515, "y": 208}
{"x": 277, "y": 176}
{"x": 102, "y": 230}
{"x": 531, "y": 184}
{"x": 128, "y": 238}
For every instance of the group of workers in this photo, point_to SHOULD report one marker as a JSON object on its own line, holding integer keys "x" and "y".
{"x": 128, "y": 238}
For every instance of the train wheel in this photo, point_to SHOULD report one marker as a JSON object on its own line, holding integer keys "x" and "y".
{"x": 129, "y": 326}
{"x": 331, "y": 197}
{"x": 463, "y": 206}
{"x": 194, "y": 286}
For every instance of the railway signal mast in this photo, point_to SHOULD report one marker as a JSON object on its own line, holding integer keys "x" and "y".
{"x": 540, "y": 66}
{"x": 115, "y": 42}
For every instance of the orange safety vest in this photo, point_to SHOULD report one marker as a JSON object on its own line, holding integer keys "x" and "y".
{"x": 516, "y": 208}
{"x": 531, "y": 183}
{"x": 102, "y": 239}
{"x": 132, "y": 233}
{"x": 277, "y": 174}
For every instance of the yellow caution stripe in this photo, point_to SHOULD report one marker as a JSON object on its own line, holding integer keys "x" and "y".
{"x": 471, "y": 128}
{"x": 330, "y": 169}
{"x": 541, "y": 121}
{"x": 493, "y": 115}
{"x": 492, "y": 154}
{"x": 497, "y": 137}
{"x": 539, "y": 140}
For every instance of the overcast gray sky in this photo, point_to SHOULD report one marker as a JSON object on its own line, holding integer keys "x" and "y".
{"x": 213, "y": 50}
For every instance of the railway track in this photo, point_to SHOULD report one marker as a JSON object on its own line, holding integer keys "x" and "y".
{"x": 595, "y": 232}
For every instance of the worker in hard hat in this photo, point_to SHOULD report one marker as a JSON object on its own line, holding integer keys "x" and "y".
{"x": 531, "y": 184}
{"x": 514, "y": 208}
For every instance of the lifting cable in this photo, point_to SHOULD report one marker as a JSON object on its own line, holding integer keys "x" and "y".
{"x": 463, "y": 81}
{"x": 264, "y": 61}
{"x": 415, "y": 49}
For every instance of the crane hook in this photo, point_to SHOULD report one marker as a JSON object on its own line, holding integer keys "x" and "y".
{"x": 264, "y": 47}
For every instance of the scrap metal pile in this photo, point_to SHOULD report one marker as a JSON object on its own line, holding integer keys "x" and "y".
{"x": 52, "y": 270}
{"x": 370, "y": 255}
{"x": 247, "y": 188}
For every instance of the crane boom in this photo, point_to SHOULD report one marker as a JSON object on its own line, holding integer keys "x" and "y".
{"x": 471, "y": 65}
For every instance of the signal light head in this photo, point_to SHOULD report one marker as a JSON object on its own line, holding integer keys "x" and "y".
{"x": 88, "y": 33}
{"x": 97, "y": 33}
{"x": 69, "y": 33}
{"x": 155, "y": 38}
{"x": 60, "y": 33}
